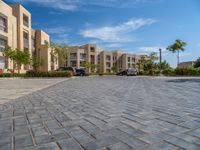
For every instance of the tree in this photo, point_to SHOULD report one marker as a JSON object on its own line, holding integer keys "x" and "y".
{"x": 89, "y": 65}
{"x": 114, "y": 68}
{"x": 36, "y": 62}
{"x": 20, "y": 58}
{"x": 177, "y": 47}
{"x": 61, "y": 50}
{"x": 197, "y": 63}
{"x": 164, "y": 65}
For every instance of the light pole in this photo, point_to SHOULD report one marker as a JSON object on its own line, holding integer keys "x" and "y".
{"x": 160, "y": 50}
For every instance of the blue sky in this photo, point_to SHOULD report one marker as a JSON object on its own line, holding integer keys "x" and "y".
{"x": 135, "y": 26}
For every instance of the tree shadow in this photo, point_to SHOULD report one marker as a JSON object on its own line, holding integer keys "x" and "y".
{"x": 184, "y": 80}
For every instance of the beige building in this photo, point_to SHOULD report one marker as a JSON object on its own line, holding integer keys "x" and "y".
{"x": 107, "y": 61}
{"x": 8, "y": 34}
{"x": 16, "y": 32}
{"x": 79, "y": 55}
{"x": 186, "y": 64}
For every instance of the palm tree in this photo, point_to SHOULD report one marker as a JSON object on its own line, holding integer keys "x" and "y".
{"x": 177, "y": 47}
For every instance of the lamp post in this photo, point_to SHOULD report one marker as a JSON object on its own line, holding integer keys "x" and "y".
{"x": 160, "y": 50}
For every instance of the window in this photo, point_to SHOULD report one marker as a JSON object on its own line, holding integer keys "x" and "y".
{"x": 133, "y": 59}
{"x": 107, "y": 64}
{"x": 129, "y": 59}
{"x": 73, "y": 63}
{"x": 73, "y": 55}
{"x": 3, "y": 24}
{"x": 2, "y": 44}
{"x": 25, "y": 20}
{"x": 92, "y": 49}
{"x": 2, "y": 63}
{"x": 26, "y": 41}
{"x": 92, "y": 59}
{"x": 82, "y": 56}
{"x": 107, "y": 58}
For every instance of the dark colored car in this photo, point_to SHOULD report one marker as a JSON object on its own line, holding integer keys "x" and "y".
{"x": 128, "y": 72}
{"x": 74, "y": 71}
{"x": 80, "y": 72}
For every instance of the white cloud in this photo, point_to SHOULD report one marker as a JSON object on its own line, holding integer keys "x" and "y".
{"x": 152, "y": 49}
{"x": 184, "y": 54}
{"x": 59, "y": 34}
{"x": 70, "y": 5}
{"x": 117, "y": 33}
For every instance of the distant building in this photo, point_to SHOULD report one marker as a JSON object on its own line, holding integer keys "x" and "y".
{"x": 186, "y": 64}
{"x": 16, "y": 31}
{"x": 107, "y": 61}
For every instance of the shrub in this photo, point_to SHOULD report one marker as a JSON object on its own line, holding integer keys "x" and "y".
{"x": 187, "y": 71}
{"x": 33, "y": 73}
{"x": 10, "y": 75}
{"x": 168, "y": 72}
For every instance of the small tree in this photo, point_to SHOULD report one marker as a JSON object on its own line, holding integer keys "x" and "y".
{"x": 177, "y": 47}
{"x": 61, "y": 50}
{"x": 114, "y": 68}
{"x": 20, "y": 58}
{"x": 36, "y": 62}
{"x": 197, "y": 63}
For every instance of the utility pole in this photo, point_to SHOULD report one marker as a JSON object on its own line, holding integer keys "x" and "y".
{"x": 160, "y": 50}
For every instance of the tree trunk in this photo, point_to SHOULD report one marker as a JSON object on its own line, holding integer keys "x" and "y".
{"x": 178, "y": 58}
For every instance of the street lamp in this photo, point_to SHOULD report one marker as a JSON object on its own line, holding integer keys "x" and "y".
{"x": 160, "y": 50}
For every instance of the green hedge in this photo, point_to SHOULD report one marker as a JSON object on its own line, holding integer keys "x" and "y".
{"x": 32, "y": 73}
{"x": 11, "y": 75}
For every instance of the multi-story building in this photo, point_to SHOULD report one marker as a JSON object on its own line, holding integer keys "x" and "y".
{"x": 16, "y": 31}
{"x": 79, "y": 55}
{"x": 8, "y": 33}
{"x": 186, "y": 64}
{"x": 107, "y": 61}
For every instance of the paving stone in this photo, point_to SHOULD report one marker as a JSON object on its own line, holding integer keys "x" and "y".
{"x": 105, "y": 113}
{"x": 69, "y": 144}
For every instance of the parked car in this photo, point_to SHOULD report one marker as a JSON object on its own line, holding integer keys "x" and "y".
{"x": 71, "y": 69}
{"x": 128, "y": 72}
{"x": 80, "y": 72}
{"x": 74, "y": 71}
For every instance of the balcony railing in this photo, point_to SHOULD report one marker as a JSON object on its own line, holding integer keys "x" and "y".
{"x": 25, "y": 23}
{"x": 26, "y": 43}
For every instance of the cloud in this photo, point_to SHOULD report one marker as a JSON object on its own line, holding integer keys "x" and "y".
{"x": 152, "y": 49}
{"x": 69, "y": 5}
{"x": 59, "y": 34}
{"x": 184, "y": 54}
{"x": 117, "y": 33}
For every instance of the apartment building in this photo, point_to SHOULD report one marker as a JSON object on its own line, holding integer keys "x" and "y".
{"x": 8, "y": 34}
{"x": 16, "y": 31}
{"x": 186, "y": 64}
{"x": 78, "y": 55}
{"x": 107, "y": 61}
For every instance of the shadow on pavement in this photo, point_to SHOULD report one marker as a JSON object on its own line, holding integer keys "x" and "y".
{"x": 183, "y": 80}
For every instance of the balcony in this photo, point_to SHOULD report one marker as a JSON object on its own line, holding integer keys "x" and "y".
{"x": 26, "y": 43}
{"x": 3, "y": 24}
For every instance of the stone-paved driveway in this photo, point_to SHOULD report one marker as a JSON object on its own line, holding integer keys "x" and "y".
{"x": 105, "y": 113}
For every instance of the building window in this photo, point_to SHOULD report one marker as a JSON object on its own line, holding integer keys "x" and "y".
{"x": 107, "y": 58}
{"x": 92, "y": 49}
{"x": 73, "y": 55}
{"x": 108, "y": 64}
{"x": 129, "y": 59}
{"x": 2, "y": 44}
{"x": 25, "y": 20}
{"x": 133, "y": 59}
{"x": 82, "y": 56}
{"x": 108, "y": 70}
{"x": 73, "y": 63}
{"x": 92, "y": 59}
{"x": 3, "y": 24}
{"x": 129, "y": 65}
{"x": 26, "y": 41}
{"x": 2, "y": 63}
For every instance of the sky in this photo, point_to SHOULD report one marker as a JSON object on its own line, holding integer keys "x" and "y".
{"x": 133, "y": 26}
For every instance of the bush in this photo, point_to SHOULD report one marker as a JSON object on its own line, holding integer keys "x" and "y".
{"x": 32, "y": 73}
{"x": 11, "y": 75}
{"x": 187, "y": 71}
{"x": 168, "y": 72}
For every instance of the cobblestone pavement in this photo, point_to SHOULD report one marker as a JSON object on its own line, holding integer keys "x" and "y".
{"x": 11, "y": 89}
{"x": 105, "y": 113}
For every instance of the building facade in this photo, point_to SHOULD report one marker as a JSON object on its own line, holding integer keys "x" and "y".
{"x": 105, "y": 61}
{"x": 186, "y": 64}
{"x": 16, "y": 31}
